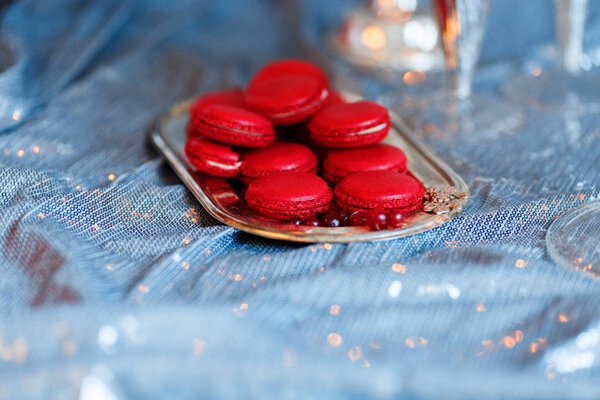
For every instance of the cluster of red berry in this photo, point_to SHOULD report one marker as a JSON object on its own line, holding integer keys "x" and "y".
{"x": 336, "y": 217}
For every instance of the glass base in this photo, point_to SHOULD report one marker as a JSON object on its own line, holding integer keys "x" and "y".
{"x": 556, "y": 89}
{"x": 480, "y": 114}
{"x": 573, "y": 240}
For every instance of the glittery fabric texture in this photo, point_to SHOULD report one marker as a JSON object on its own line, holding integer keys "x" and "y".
{"x": 117, "y": 284}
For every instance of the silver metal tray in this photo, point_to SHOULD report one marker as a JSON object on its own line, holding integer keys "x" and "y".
{"x": 223, "y": 202}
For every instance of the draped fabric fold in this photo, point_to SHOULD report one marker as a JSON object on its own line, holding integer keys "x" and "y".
{"x": 116, "y": 281}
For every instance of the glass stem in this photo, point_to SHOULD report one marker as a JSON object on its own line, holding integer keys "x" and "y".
{"x": 570, "y": 19}
{"x": 472, "y": 18}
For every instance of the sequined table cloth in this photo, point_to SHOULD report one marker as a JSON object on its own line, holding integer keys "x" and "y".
{"x": 116, "y": 284}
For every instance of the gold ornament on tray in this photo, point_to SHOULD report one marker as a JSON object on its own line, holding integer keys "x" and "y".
{"x": 441, "y": 200}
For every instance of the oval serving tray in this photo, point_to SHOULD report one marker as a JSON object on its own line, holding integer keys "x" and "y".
{"x": 221, "y": 199}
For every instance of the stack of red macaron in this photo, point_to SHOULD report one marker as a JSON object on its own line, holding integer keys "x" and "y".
{"x": 268, "y": 135}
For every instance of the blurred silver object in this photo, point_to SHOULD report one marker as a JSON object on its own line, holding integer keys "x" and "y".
{"x": 394, "y": 10}
{"x": 398, "y": 34}
{"x": 573, "y": 239}
{"x": 462, "y": 25}
{"x": 570, "y": 22}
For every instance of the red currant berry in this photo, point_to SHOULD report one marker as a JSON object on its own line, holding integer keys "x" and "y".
{"x": 312, "y": 221}
{"x": 343, "y": 216}
{"x": 357, "y": 218}
{"x": 331, "y": 220}
{"x": 297, "y": 221}
{"x": 394, "y": 219}
{"x": 377, "y": 220}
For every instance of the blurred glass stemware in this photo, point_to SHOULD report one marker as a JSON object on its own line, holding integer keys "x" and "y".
{"x": 458, "y": 108}
{"x": 462, "y": 25}
{"x": 573, "y": 239}
{"x": 570, "y": 23}
{"x": 566, "y": 85}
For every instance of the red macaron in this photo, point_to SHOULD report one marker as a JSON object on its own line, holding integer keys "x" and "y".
{"x": 380, "y": 190}
{"x": 291, "y": 66}
{"x": 277, "y": 157}
{"x": 212, "y": 158}
{"x": 377, "y": 157}
{"x": 287, "y": 92}
{"x": 288, "y": 195}
{"x": 233, "y": 125}
{"x": 346, "y": 125}
{"x": 231, "y": 97}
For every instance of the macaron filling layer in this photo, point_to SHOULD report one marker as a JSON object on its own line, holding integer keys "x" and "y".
{"x": 367, "y": 131}
{"x": 223, "y": 165}
{"x": 235, "y": 130}
{"x": 300, "y": 110}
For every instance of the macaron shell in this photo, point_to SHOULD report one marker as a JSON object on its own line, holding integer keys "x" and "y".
{"x": 291, "y": 66}
{"x": 378, "y": 157}
{"x": 278, "y": 157}
{"x": 232, "y": 97}
{"x": 234, "y": 125}
{"x": 380, "y": 190}
{"x": 212, "y": 158}
{"x": 344, "y": 124}
{"x": 205, "y": 166}
{"x": 202, "y": 147}
{"x": 287, "y": 195}
{"x": 352, "y": 141}
{"x": 286, "y": 99}
{"x": 342, "y": 117}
